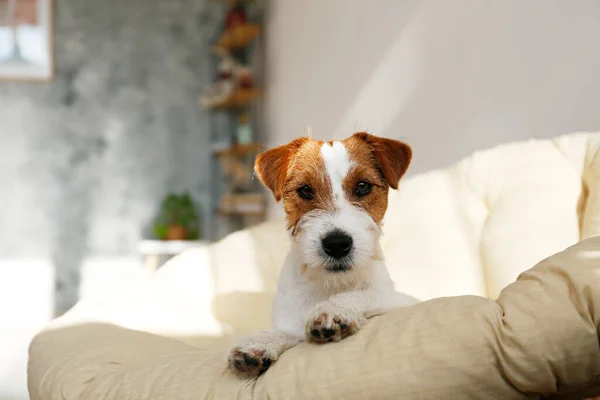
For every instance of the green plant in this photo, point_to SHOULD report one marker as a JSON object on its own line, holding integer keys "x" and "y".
{"x": 177, "y": 210}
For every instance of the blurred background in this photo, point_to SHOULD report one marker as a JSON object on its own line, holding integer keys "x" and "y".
{"x": 128, "y": 129}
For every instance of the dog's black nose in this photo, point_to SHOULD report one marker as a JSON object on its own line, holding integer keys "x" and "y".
{"x": 337, "y": 244}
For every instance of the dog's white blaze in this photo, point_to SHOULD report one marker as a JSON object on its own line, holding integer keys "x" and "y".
{"x": 337, "y": 164}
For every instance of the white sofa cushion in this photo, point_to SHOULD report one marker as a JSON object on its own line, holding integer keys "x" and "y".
{"x": 472, "y": 228}
{"x": 468, "y": 229}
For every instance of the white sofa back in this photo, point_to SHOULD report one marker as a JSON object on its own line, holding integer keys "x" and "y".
{"x": 472, "y": 228}
{"x": 468, "y": 229}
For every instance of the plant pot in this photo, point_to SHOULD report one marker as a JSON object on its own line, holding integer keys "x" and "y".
{"x": 176, "y": 232}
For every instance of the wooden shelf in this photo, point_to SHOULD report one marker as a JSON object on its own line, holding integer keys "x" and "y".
{"x": 240, "y": 150}
{"x": 242, "y": 204}
{"x": 150, "y": 246}
{"x": 240, "y": 98}
{"x": 225, "y": 213}
{"x": 238, "y": 37}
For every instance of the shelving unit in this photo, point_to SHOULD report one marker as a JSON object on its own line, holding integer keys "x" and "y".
{"x": 240, "y": 213}
{"x": 239, "y": 150}
{"x": 240, "y": 98}
{"x": 241, "y": 42}
{"x": 239, "y": 37}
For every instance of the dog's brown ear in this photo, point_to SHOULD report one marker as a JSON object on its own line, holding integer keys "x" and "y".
{"x": 392, "y": 156}
{"x": 271, "y": 166}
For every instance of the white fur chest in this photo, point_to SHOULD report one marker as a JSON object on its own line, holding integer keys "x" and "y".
{"x": 295, "y": 297}
{"x": 301, "y": 289}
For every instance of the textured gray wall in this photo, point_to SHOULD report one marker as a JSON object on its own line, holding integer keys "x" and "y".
{"x": 85, "y": 160}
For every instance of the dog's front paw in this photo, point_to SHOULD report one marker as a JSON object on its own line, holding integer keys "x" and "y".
{"x": 328, "y": 324}
{"x": 249, "y": 362}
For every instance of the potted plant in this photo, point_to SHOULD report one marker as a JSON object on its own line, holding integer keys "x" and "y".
{"x": 177, "y": 219}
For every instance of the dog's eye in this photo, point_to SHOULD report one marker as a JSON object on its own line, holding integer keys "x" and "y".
{"x": 305, "y": 192}
{"x": 362, "y": 188}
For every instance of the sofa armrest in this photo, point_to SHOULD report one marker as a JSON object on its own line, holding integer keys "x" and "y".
{"x": 243, "y": 268}
{"x": 174, "y": 302}
{"x": 198, "y": 291}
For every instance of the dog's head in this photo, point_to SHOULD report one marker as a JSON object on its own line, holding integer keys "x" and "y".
{"x": 335, "y": 195}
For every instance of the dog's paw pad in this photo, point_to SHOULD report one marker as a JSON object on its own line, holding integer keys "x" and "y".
{"x": 322, "y": 329}
{"x": 249, "y": 363}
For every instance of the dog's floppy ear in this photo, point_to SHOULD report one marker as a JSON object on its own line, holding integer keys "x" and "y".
{"x": 271, "y": 166}
{"x": 392, "y": 156}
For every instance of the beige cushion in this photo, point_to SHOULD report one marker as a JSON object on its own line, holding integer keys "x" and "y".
{"x": 540, "y": 337}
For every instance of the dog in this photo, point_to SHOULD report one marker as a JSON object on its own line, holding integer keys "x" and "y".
{"x": 335, "y": 195}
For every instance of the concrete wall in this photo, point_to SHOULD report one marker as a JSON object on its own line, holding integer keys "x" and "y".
{"x": 84, "y": 161}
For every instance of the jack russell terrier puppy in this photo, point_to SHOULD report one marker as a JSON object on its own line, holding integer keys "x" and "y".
{"x": 335, "y": 195}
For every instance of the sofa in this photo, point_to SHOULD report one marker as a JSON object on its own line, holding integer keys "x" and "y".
{"x": 463, "y": 239}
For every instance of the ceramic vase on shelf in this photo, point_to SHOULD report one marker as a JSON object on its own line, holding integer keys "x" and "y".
{"x": 244, "y": 77}
{"x": 244, "y": 130}
{"x": 223, "y": 87}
